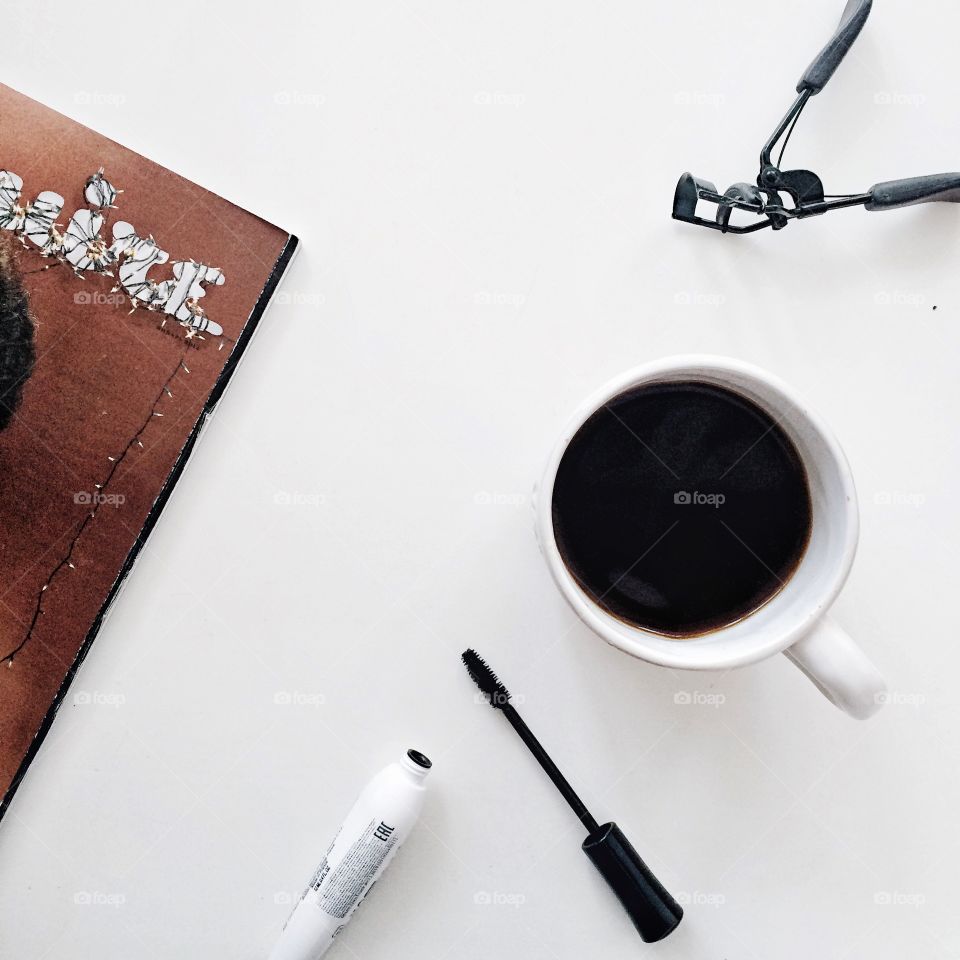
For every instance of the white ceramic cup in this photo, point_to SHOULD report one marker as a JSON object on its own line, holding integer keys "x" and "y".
{"x": 794, "y": 621}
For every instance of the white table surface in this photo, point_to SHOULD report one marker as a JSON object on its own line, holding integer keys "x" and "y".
{"x": 483, "y": 195}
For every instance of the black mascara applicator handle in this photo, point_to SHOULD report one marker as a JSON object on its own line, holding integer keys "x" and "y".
{"x": 552, "y": 770}
{"x": 648, "y": 903}
{"x": 651, "y": 908}
{"x": 653, "y": 911}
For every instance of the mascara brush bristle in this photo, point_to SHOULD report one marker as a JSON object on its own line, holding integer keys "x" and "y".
{"x": 488, "y": 682}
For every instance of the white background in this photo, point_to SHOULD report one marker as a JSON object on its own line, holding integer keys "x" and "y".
{"x": 483, "y": 195}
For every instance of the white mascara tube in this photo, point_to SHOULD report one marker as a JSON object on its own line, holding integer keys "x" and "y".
{"x": 379, "y": 822}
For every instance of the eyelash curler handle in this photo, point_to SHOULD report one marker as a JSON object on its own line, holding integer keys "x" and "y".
{"x": 940, "y": 187}
{"x": 830, "y": 57}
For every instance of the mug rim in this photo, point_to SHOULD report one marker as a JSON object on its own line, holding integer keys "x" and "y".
{"x": 707, "y": 651}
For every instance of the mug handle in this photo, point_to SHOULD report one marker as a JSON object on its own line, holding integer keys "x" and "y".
{"x": 839, "y": 669}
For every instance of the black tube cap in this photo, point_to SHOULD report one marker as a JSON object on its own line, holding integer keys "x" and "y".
{"x": 653, "y": 911}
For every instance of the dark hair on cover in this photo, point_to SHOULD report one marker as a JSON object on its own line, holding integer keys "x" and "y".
{"x": 17, "y": 352}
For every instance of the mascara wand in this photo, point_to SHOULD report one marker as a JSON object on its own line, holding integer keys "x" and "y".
{"x": 653, "y": 911}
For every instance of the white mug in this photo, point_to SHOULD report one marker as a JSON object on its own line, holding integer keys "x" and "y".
{"x": 795, "y": 620}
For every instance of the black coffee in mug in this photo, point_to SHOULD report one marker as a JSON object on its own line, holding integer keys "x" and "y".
{"x": 681, "y": 507}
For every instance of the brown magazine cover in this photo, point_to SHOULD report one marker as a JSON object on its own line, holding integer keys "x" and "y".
{"x": 127, "y": 296}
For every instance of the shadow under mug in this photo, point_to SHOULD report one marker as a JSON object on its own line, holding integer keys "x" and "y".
{"x": 794, "y": 621}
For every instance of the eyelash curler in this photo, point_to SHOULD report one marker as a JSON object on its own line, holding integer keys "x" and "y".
{"x": 804, "y": 187}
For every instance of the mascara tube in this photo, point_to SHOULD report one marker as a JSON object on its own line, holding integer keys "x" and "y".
{"x": 381, "y": 819}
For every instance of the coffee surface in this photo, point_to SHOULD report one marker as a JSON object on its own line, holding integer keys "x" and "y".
{"x": 681, "y": 507}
